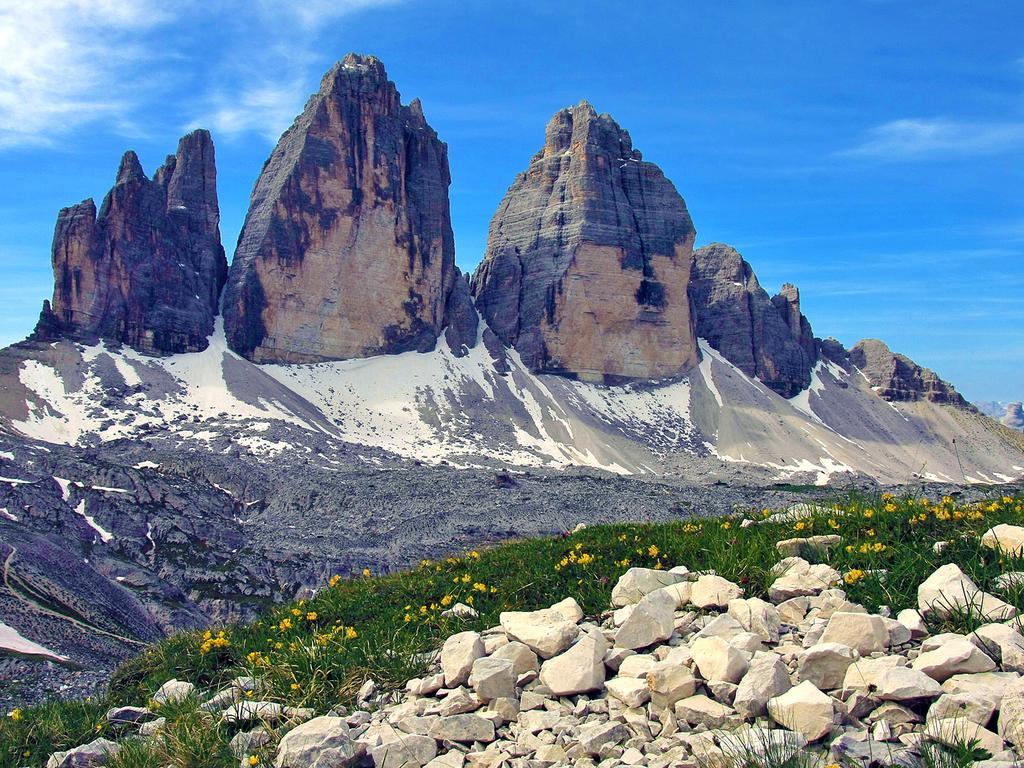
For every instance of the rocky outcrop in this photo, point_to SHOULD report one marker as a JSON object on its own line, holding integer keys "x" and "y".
{"x": 146, "y": 271}
{"x": 1014, "y": 416}
{"x": 347, "y": 250}
{"x": 897, "y": 378}
{"x": 588, "y": 259}
{"x": 764, "y": 337}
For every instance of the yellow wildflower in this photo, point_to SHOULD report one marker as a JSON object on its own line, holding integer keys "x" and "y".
{"x": 366, "y": 573}
{"x": 350, "y": 633}
{"x": 853, "y": 576}
{"x": 15, "y": 715}
{"x": 311, "y": 616}
{"x": 333, "y": 582}
{"x": 652, "y": 551}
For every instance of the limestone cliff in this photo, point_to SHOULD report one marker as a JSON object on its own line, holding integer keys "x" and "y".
{"x": 897, "y": 378}
{"x": 588, "y": 259}
{"x": 347, "y": 249}
{"x": 148, "y": 269}
{"x": 766, "y": 338}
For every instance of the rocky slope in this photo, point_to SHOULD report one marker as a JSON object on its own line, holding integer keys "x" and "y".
{"x": 767, "y": 338}
{"x": 147, "y": 271}
{"x": 347, "y": 250}
{"x": 897, "y": 378}
{"x": 588, "y": 259}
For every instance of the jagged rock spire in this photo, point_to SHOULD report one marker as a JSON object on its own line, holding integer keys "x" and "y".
{"x": 147, "y": 270}
{"x": 347, "y": 249}
{"x": 588, "y": 258}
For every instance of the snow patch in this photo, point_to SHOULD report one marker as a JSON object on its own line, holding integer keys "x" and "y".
{"x": 105, "y": 535}
{"x": 14, "y": 641}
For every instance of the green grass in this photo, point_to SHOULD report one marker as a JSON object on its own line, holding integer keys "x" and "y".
{"x": 318, "y": 652}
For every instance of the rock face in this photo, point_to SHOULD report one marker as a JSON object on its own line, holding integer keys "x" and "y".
{"x": 347, "y": 250}
{"x": 898, "y": 378}
{"x": 588, "y": 259}
{"x": 766, "y": 338}
{"x": 148, "y": 270}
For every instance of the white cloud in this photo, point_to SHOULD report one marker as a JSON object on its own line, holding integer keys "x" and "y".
{"x": 266, "y": 108}
{"x": 63, "y": 63}
{"x": 919, "y": 138}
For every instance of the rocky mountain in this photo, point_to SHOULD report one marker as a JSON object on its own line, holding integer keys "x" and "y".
{"x": 347, "y": 250}
{"x": 147, "y": 271}
{"x": 767, "y": 338}
{"x": 897, "y": 378}
{"x": 352, "y": 408}
{"x": 588, "y": 259}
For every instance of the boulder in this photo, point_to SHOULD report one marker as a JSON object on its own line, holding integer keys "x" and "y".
{"x": 631, "y": 691}
{"x": 700, "y": 710}
{"x": 1002, "y": 643}
{"x": 757, "y": 616}
{"x": 808, "y": 546}
{"x": 493, "y": 678}
{"x": 579, "y": 669}
{"x": 651, "y": 621}
{"x": 407, "y": 751}
{"x": 952, "y": 656}
{"x": 804, "y": 709}
{"x": 173, "y": 691}
{"x": 95, "y": 753}
{"x": 795, "y": 577}
{"x": 637, "y": 582}
{"x": 715, "y": 659}
{"x": 766, "y": 677}
{"x": 949, "y": 590}
{"x": 864, "y": 633}
{"x": 465, "y": 728}
{"x": 825, "y": 664}
{"x": 1006, "y": 538}
{"x": 711, "y": 591}
{"x": 546, "y": 632}
{"x": 458, "y": 654}
{"x": 323, "y": 742}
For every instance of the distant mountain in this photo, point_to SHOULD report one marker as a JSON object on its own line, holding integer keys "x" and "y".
{"x": 1009, "y": 413}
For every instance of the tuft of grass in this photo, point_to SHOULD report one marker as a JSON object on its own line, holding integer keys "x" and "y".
{"x": 316, "y": 653}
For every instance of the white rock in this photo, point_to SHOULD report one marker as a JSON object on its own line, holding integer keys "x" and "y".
{"x": 637, "y": 582}
{"x": 891, "y": 681}
{"x": 1011, "y": 714}
{"x": 522, "y": 658}
{"x": 637, "y": 666}
{"x": 1006, "y": 538}
{"x": 700, "y": 710}
{"x": 804, "y": 709}
{"x": 631, "y": 691}
{"x": 717, "y": 660}
{"x": 670, "y": 682}
{"x": 723, "y": 626}
{"x": 989, "y": 685}
{"x": 825, "y": 665}
{"x": 409, "y": 751}
{"x": 546, "y": 632}
{"x": 593, "y": 738}
{"x": 766, "y": 678}
{"x": 651, "y": 621}
{"x": 978, "y": 709}
{"x": 457, "y": 656}
{"x": 913, "y": 621}
{"x": 795, "y": 577}
{"x": 579, "y": 669}
{"x": 568, "y": 609}
{"x": 949, "y": 590}
{"x": 493, "y": 678}
{"x": 319, "y": 742}
{"x": 465, "y": 728}
{"x": 810, "y": 545}
{"x": 863, "y": 632}
{"x": 710, "y": 591}
{"x": 757, "y": 616}
{"x": 173, "y": 691}
{"x": 957, "y": 655}
{"x": 954, "y": 732}
{"x": 95, "y": 753}
{"x": 1004, "y": 644}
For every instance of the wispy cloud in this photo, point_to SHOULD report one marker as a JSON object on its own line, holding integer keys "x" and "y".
{"x": 63, "y": 63}
{"x": 925, "y": 138}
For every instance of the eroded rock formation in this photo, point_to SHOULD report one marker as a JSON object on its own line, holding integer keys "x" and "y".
{"x": 347, "y": 249}
{"x": 764, "y": 337}
{"x": 588, "y": 259}
{"x": 896, "y": 377}
{"x": 146, "y": 271}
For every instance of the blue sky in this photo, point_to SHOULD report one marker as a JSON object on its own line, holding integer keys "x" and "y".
{"x": 870, "y": 152}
